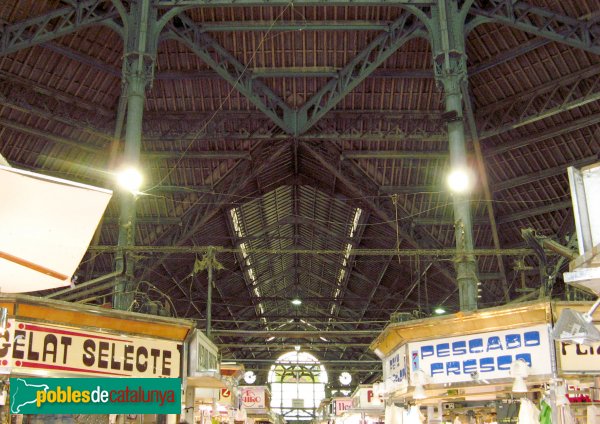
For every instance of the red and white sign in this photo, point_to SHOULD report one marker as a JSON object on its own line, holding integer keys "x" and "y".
{"x": 254, "y": 397}
{"x": 342, "y": 405}
{"x": 27, "y": 347}
{"x": 365, "y": 398}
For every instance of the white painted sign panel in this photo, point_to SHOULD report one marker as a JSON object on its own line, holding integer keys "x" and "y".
{"x": 578, "y": 358}
{"x": 47, "y": 225}
{"x": 365, "y": 398}
{"x": 342, "y": 405}
{"x": 395, "y": 367}
{"x": 28, "y": 347}
{"x": 253, "y": 397}
{"x": 455, "y": 359}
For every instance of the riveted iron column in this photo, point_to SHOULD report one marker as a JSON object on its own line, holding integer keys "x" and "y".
{"x": 448, "y": 45}
{"x": 210, "y": 264}
{"x": 138, "y": 67}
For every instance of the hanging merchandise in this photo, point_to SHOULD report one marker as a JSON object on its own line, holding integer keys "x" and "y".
{"x": 546, "y": 413}
{"x": 414, "y": 416}
{"x": 528, "y": 413}
{"x": 395, "y": 415}
{"x": 566, "y": 415}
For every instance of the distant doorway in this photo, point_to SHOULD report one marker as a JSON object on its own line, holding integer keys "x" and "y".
{"x": 297, "y": 385}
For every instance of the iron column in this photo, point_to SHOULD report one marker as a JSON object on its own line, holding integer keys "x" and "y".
{"x": 137, "y": 75}
{"x": 450, "y": 68}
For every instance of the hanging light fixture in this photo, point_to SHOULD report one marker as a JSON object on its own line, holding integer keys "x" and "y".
{"x": 419, "y": 378}
{"x": 130, "y": 179}
{"x": 575, "y": 327}
{"x": 460, "y": 180}
{"x": 519, "y": 370}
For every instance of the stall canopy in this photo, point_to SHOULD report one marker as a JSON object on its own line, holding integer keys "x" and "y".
{"x": 47, "y": 225}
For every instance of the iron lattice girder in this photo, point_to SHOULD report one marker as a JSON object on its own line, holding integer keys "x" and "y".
{"x": 229, "y": 68}
{"x": 405, "y": 28}
{"x": 297, "y": 121}
{"x": 542, "y": 22}
{"x": 360, "y": 186}
{"x": 569, "y": 92}
{"x": 201, "y": 212}
{"x": 217, "y": 3}
{"x": 56, "y": 23}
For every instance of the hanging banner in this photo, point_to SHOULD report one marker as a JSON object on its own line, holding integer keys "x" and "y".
{"x": 254, "y": 397}
{"x": 47, "y": 226}
{"x": 341, "y": 405}
{"x": 482, "y": 356}
{"x": 578, "y": 358}
{"x": 26, "y": 347}
{"x": 365, "y": 398}
{"x": 395, "y": 375}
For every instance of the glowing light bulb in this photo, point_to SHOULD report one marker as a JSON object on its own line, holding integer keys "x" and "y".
{"x": 460, "y": 180}
{"x": 130, "y": 179}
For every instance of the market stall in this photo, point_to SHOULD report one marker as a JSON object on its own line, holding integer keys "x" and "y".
{"x": 256, "y": 401}
{"x": 46, "y": 338}
{"x": 483, "y": 362}
{"x": 366, "y": 407}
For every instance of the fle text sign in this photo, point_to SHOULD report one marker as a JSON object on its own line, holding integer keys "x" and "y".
{"x": 36, "y": 346}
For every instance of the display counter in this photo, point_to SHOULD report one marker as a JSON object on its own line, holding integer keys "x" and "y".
{"x": 480, "y": 359}
{"x": 48, "y": 338}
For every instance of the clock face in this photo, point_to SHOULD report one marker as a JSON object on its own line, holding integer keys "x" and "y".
{"x": 345, "y": 378}
{"x": 249, "y": 377}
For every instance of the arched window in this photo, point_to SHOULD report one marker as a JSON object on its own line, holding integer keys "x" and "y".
{"x": 297, "y": 385}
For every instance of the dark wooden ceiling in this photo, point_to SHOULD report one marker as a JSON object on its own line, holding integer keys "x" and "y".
{"x": 368, "y": 173}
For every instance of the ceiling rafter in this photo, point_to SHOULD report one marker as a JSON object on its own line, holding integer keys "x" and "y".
{"x": 374, "y": 209}
{"x": 566, "y": 128}
{"x": 540, "y": 210}
{"x": 543, "y": 174}
{"x": 237, "y": 3}
{"x": 200, "y": 213}
{"x": 54, "y": 24}
{"x": 402, "y": 30}
{"x": 556, "y": 96}
{"x": 192, "y": 35}
{"x": 578, "y": 33}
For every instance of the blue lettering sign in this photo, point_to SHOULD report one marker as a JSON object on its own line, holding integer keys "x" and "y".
{"x": 532, "y": 338}
{"x": 459, "y": 348}
{"x": 504, "y": 362}
{"x": 469, "y": 366}
{"x": 443, "y": 349}
{"x": 524, "y": 356}
{"x": 476, "y": 346}
{"x": 486, "y": 365}
{"x": 513, "y": 341}
{"x": 427, "y": 351}
{"x": 437, "y": 368}
{"x": 494, "y": 343}
{"x": 453, "y": 367}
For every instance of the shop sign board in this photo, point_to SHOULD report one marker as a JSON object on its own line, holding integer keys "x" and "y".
{"x": 226, "y": 397}
{"x": 485, "y": 355}
{"x": 254, "y": 397}
{"x": 365, "y": 398}
{"x": 342, "y": 405}
{"x": 28, "y": 347}
{"x": 578, "y": 358}
{"x": 395, "y": 370}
